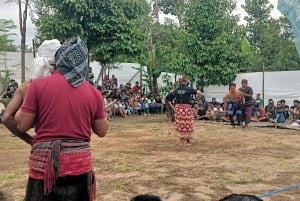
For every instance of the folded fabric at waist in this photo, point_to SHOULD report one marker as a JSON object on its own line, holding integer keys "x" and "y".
{"x": 49, "y": 160}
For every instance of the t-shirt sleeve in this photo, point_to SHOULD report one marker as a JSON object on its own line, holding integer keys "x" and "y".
{"x": 100, "y": 111}
{"x": 250, "y": 90}
{"x": 30, "y": 103}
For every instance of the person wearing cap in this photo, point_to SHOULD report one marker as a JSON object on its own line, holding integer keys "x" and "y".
{"x": 63, "y": 108}
{"x": 184, "y": 121}
{"x": 43, "y": 65}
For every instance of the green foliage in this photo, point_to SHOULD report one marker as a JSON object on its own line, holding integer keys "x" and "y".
{"x": 259, "y": 13}
{"x": 213, "y": 43}
{"x": 109, "y": 27}
{"x": 6, "y": 43}
{"x": 271, "y": 39}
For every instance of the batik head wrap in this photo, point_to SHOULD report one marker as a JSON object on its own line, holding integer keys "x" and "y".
{"x": 43, "y": 63}
{"x": 72, "y": 61}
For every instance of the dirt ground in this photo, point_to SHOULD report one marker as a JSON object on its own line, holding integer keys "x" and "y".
{"x": 141, "y": 155}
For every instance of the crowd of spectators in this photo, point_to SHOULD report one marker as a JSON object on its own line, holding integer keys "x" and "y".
{"x": 279, "y": 112}
{"x": 126, "y": 100}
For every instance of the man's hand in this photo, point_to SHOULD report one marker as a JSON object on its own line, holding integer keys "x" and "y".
{"x": 11, "y": 125}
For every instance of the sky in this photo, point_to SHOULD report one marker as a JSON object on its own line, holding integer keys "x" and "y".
{"x": 10, "y": 11}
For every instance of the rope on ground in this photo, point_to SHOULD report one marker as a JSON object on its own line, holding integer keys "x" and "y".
{"x": 288, "y": 188}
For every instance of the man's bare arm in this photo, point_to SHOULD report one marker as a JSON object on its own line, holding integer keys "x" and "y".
{"x": 11, "y": 125}
{"x": 100, "y": 127}
{"x": 8, "y": 117}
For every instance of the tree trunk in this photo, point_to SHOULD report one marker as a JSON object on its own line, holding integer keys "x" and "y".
{"x": 103, "y": 68}
{"x": 22, "y": 21}
{"x": 23, "y": 41}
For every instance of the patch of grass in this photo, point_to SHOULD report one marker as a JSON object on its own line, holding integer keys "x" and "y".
{"x": 10, "y": 175}
{"x": 119, "y": 186}
{"x": 243, "y": 180}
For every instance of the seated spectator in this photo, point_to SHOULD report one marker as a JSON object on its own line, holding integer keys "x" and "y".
{"x": 209, "y": 114}
{"x": 123, "y": 96}
{"x": 120, "y": 109}
{"x": 195, "y": 110}
{"x": 144, "y": 97}
{"x": 153, "y": 109}
{"x": 114, "y": 94}
{"x": 218, "y": 108}
{"x": 224, "y": 104}
{"x": 159, "y": 104}
{"x": 201, "y": 112}
{"x": 122, "y": 88}
{"x": 205, "y": 103}
{"x": 130, "y": 108}
{"x": 286, "y": 109}
{"x": 146, "y": 197}
{"x": 295, "y": 103}
{"x": 295, "y": 111}
{"x": 279, "y": 113}
{"x": 270, "y": 109}
{"x": 260, "y": 115}
{"x": 145, "y": 107}
{"x": 135, "y": 105}
{"x": 137, "y": 88}
{"x": 214, "y": 102}
{"x": 128, "y": 86}
{"x": 219, "y": 113}
{"x": 258, "y": 101}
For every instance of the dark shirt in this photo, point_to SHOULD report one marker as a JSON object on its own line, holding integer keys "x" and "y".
{"x": 286, "y": 112}
{"x": 201, "y": 112}
{"x": 270, "y": 108}
{"x": 248, "y": 99}
{"x": 158, "y": 100}
{"x": 170, "y": 97}
{"x": 183, "y": 94}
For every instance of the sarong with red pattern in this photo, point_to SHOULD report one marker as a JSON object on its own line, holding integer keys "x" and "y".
{"x": 50, "y": 160}
{"x": 184, "y": 122}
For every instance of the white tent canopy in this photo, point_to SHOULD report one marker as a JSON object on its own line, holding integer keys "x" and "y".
{"x": 277, "y": 85}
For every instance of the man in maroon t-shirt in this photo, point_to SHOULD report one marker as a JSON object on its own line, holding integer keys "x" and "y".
{"x": 137, "y": 88}
{"x": 63, "y": 108}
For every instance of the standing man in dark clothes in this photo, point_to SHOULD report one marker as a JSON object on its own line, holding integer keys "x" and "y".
{"x": 247, "y": 93}
{"x": 184, "y": 120}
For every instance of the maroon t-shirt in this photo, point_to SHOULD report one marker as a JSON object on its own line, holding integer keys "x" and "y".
{"x": 63, "y": 112}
